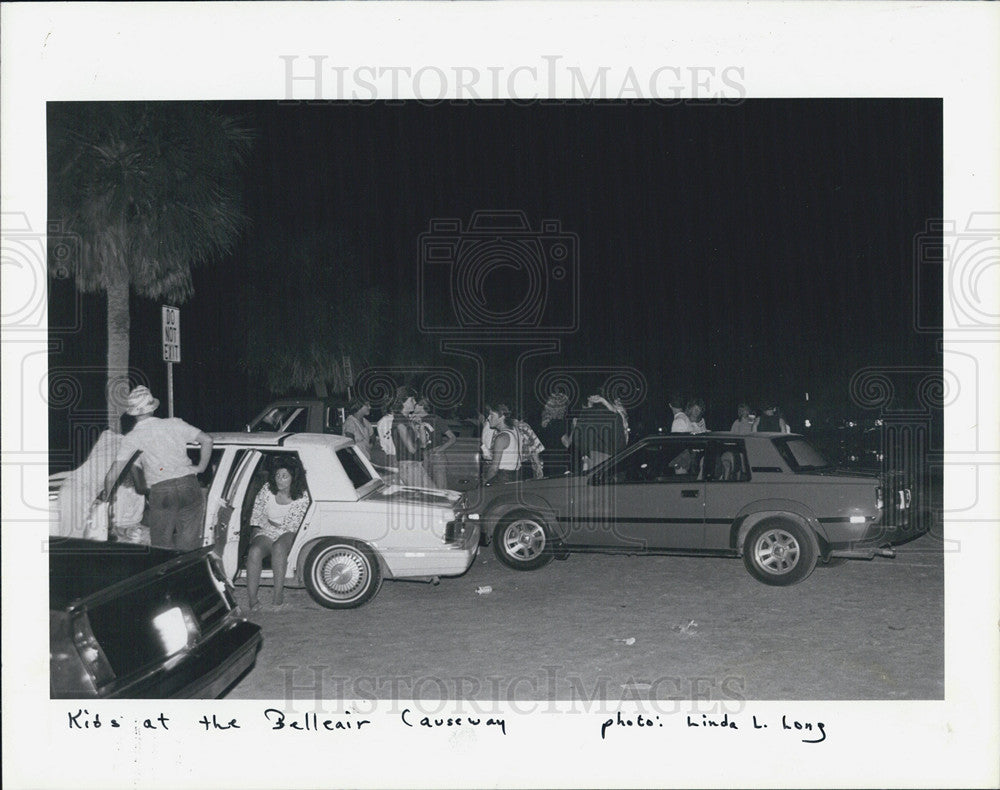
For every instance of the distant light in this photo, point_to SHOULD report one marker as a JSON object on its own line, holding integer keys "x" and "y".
{"x": 807, "y": 396}
{"x": 807, "y": 423}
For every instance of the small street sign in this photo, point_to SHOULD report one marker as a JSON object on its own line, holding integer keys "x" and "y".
{"x": 171, "y": 334}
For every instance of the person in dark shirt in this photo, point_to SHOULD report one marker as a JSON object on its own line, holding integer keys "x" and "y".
{"x": 771, "y": 420}
{"x": 555, "y": 432}
{"x": 599, "y": 433}
{"x": 437, "y": 438}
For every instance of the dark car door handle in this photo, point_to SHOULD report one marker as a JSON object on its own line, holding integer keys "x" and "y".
{"x": 690, "y": 493}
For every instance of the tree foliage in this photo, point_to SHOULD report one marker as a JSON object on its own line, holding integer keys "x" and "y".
{"x": 148, "y": 190}
{"x": 312, "y": 304}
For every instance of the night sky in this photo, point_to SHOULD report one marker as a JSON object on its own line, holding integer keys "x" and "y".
{"x": 754, "y": 250}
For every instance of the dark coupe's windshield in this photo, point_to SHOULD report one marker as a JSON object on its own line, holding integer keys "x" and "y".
{"x": 800, "y": 455}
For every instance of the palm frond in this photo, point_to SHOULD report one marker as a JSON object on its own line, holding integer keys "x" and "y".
{"x": 149, "y": 188}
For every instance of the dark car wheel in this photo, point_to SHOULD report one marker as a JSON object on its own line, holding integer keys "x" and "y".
{"x": 521, "y": 541}
{"x": 342, "y": 574}
{"x": 779, "y": 551}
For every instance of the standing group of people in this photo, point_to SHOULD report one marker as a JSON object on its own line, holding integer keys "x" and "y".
{"x": 691, "y": 418}
{"x": 771, "y": 420}
{"x": 567, "y": 443}
{"x": 408, "y": 438}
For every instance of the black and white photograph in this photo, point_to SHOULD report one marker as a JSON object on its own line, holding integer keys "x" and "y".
{"x": 493, "y": 406}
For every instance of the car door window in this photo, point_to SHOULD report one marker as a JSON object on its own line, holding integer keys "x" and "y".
{"x": 687, "y": 462}
{"x": 727, "y": 462}
{"x": 644, "y": 465}
{"x": 658, "y": 462}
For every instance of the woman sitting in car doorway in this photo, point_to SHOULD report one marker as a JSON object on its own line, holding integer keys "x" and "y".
{"x": 278, "y": 511}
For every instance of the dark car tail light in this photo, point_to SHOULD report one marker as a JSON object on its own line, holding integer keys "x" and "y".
{"x": 90, "y": 651}
{"x": 68, "y": 677}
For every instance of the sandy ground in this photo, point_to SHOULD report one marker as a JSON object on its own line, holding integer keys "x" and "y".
{"x": 619, "y": 627}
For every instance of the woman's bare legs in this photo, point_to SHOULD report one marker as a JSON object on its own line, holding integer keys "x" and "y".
{"x": 260, "y": 547}
{"x": 279, "y": 563}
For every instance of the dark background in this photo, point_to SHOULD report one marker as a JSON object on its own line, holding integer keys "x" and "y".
{"x": 758, "y": 250}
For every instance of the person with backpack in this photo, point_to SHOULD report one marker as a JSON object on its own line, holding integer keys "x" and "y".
{"x": 505, "y": 453}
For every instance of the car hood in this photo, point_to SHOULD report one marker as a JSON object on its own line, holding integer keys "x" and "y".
{"x": 413, "y": 495}
{"x": 80, "y": 568}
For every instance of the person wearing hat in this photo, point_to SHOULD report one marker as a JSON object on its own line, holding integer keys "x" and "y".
{"x": 176, "y": 504}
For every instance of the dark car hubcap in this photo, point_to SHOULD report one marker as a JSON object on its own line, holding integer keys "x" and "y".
{"x": 524, "y": 540}
{"x": 777, "y": 551}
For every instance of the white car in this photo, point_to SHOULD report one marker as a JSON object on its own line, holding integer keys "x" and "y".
{"x": 357, "y": 531}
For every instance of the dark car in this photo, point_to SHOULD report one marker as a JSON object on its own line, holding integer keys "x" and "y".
{"x": 769, "y": 498}
{"x": 128, "y": 620}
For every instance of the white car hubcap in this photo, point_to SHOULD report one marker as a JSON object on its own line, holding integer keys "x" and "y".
{"x": 342, "y": 573}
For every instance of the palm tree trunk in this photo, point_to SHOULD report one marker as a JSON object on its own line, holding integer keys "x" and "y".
{"x": 118, "y": 331}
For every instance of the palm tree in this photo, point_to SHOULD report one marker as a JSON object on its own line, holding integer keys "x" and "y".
{"x": 150, "y": 189}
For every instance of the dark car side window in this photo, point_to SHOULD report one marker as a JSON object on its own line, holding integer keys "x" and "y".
{"x": 658, "y": 462}
{"x": 300, "y": 423}
{"x": 273, "y": 420}
{"x": 727, "y": 462}
{"x": 800, "y": 455}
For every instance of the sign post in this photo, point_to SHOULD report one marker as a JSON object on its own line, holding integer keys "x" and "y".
{"x": 171, "y": 349}
{"x": 348, "y": 374}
